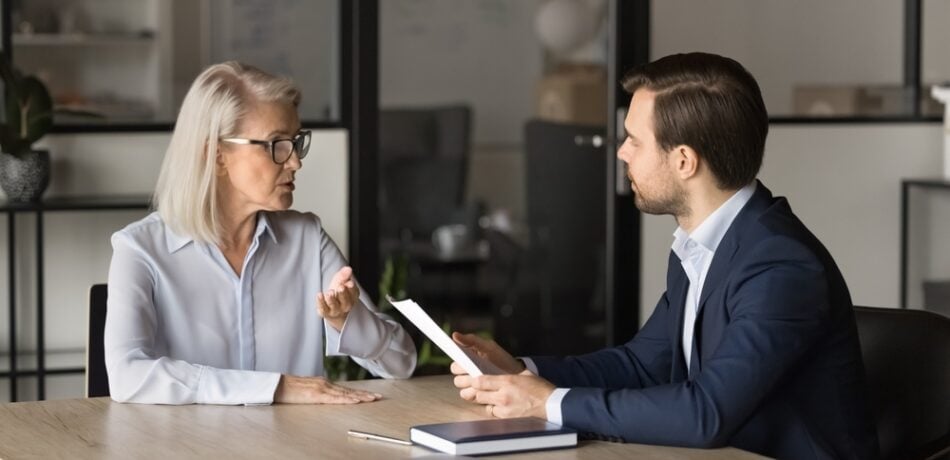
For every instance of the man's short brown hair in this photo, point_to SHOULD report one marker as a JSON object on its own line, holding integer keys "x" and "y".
{"x": 711, "y": 104}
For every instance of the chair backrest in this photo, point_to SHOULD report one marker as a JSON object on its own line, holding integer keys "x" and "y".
{"x": 439, "y": 132}
{"x": 97, "y": 379}
{"x": 907, "y": 360}
{"x": 423, "y": 158}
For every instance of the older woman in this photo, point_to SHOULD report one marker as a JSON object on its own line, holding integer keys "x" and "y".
{"x": 224, "y": 296}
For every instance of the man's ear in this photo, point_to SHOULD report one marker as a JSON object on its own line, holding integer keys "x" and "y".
{"x": 684, "y": 161}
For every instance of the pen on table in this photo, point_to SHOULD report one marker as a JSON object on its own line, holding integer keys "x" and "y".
{"x": 377, "y": 437}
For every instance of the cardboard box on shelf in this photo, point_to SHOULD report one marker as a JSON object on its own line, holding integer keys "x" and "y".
{"x": 575, "y": 93}
{"x": 850, "y": 100}
{"x": 928, "y": 105}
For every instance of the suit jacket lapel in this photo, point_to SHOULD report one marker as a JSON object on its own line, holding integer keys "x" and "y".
{"x": 718, "y": 269}
{"x": 722, "y": 263}
{"x": 676, "y": 286}
{"x": 729, "y": 245}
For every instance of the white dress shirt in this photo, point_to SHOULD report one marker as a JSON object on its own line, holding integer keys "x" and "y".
{"x": 182, "y": 327}
{"x": 695, "y": 252}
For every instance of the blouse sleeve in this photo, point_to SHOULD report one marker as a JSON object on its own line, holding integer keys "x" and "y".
{"x": 375, "y": 341}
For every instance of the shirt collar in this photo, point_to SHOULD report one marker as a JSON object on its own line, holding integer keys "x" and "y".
{"x": 710, "y": 232}
{"x": 263, "y": 224}
{"x": 174, "y": 241}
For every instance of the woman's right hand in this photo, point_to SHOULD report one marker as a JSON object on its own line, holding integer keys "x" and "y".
{"x": 488, "y": 350}
{"x": 318, "y": 390}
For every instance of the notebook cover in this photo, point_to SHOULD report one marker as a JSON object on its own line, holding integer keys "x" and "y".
{"x": 495, "y": 429}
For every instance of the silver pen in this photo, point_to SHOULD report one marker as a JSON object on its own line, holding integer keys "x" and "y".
{"x": 377, "y": 437}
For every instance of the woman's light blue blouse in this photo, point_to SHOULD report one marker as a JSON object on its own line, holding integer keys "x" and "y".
{"x": 182, "y": 327}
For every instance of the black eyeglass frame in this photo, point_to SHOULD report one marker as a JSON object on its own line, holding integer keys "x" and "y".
{"x": 300, "y": 143}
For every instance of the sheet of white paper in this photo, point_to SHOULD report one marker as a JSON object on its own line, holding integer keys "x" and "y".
{"x": 469, "y": 361}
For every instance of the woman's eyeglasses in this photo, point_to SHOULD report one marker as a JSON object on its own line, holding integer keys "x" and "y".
{"x": 280, "y": 149}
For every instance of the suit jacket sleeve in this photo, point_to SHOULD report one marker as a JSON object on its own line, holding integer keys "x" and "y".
{"x": 642, "y": 362}
{"x": 778, "y": 304}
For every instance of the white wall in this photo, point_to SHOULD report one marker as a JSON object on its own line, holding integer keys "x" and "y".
{"x": 785, "y": 44}
{"x": 77, "y": 248}
{"x": 843, "y": 181}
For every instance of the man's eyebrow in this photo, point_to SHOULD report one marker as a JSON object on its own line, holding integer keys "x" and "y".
{"x": 631, "y": 136}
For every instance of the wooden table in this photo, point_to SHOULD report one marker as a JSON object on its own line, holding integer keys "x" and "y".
{"x": 99, "y": 428}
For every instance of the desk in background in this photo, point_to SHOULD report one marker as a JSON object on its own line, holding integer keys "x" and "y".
{"x": 96, "y": 203}
{"x": 100, "y": 428}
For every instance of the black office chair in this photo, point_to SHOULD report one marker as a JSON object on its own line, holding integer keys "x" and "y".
{"x": 907, "y": 361}
{"x": 97, "y": 379}
{"x": 423, "y": 158}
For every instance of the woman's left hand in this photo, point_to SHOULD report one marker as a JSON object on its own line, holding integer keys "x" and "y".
{"x": 335, "y": 303}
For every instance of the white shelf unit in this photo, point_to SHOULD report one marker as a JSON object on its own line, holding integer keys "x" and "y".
{"x": 82, "y": 39}
{"x": 118, "y": 63}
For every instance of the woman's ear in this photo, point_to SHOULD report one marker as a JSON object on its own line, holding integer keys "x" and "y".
{"x": 220, "y": 166}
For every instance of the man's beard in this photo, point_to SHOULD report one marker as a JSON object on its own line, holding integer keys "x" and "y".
{"x": 672, "y": 201}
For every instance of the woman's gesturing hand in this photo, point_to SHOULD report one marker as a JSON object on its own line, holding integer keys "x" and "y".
{"x": 335, "y": 303}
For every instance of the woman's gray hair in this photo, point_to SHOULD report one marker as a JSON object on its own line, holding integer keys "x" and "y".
{"x": 217, "y": 101}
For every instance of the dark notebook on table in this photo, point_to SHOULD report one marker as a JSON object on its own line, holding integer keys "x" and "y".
{"x": 493, "y": 436}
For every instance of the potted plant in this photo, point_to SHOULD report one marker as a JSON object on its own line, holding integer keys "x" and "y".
{"x": 27, "y": 117}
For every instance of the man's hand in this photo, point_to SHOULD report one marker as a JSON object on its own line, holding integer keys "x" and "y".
{"x": 318, "y": 390}
{"x": 335, "y": 303}
{"x": 487, "y": 350}
{"x": 507, "y": 396}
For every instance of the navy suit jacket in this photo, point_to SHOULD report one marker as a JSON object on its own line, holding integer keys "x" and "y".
{"x": 776, "y": 365}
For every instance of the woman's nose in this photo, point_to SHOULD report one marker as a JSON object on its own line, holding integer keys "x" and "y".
{"x": 293, "y": 162}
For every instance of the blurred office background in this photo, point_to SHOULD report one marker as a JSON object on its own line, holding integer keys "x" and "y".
{"x": 464, "y": 151}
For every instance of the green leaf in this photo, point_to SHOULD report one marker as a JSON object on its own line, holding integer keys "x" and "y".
{"x": 36, "y": 107}
{"x": 425, "y": 353}
{"x": 441, "y": 361}
{"x": 28, "y": 109}
{"x": 337, "y": 368}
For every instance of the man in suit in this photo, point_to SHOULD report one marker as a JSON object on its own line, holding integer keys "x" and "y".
{"x": 754, "y": 343}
